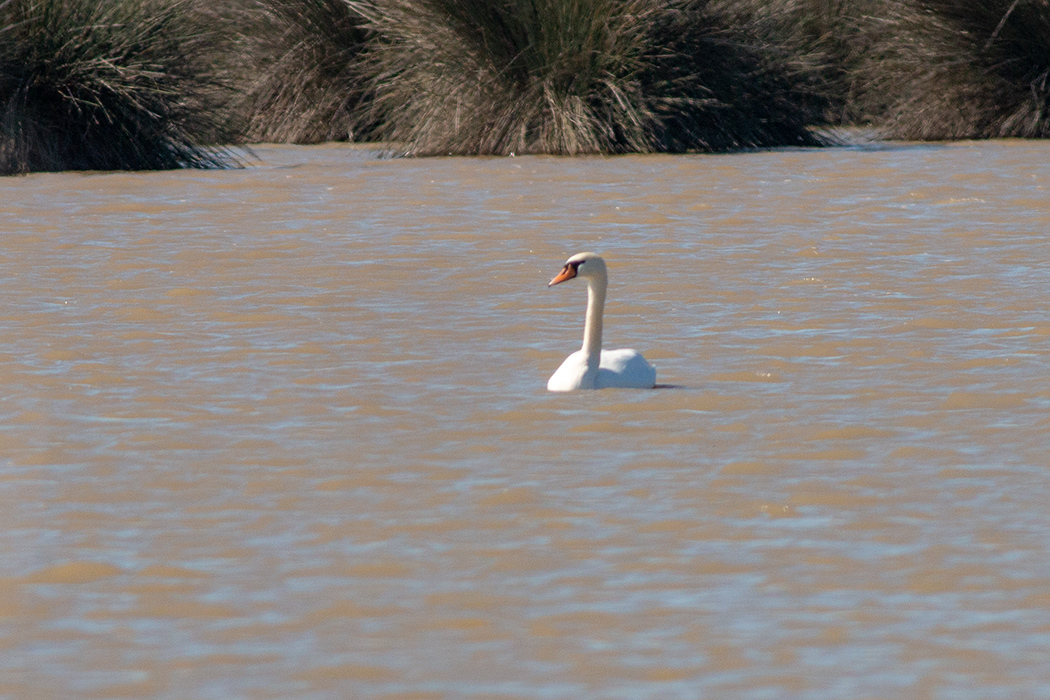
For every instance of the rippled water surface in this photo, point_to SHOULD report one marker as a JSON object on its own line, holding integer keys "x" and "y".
{"x": 283, "y": 432}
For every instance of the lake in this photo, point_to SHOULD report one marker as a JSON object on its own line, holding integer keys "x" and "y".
{"x": 283, "y": 432}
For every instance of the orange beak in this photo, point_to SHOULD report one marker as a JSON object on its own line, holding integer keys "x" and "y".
{"x": 567, "y": 273}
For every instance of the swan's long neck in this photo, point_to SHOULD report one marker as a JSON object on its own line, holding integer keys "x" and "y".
{"x": 592, "y": 330}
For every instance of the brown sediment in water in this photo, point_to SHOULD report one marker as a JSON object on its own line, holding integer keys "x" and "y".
{"x": 283, "y": 431}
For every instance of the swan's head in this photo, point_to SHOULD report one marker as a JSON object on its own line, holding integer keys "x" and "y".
{"x": 580, "y": 265}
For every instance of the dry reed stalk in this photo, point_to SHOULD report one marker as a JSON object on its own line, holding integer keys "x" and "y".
{"x": 956, "y": 69}
{"x": 492, "y": 77}
{"x": 110, "y": 85}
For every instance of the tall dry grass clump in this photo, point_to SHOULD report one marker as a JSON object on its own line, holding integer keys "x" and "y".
{"x": 298, "y": 61}
{"x": 719, "y": 76}
{"x": 479, "y": 77}
{"x": 833, "y": 38}
{"x": 956, "y": 69}
{"x": 107, "y": 85}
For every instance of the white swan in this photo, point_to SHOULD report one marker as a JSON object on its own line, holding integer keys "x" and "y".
{"x": 592, "y": 367}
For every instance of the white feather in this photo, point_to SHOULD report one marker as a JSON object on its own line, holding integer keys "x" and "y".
{"x": 591, "y": 367}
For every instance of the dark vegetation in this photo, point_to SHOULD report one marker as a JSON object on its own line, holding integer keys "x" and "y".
{"x": 524, "y": 76}
{"x": 952, "y": 69}
{"x": 577, "y": 76}
{"x": 300, "y": 83}
{"x": 831, "y": 38}
{"x": 108, "y": 85}
{"x": 147, "y": 84}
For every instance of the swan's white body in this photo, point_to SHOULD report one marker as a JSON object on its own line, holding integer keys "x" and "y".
{"x": 591, "y": 367}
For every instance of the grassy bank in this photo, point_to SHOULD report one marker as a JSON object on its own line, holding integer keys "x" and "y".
{"x": 831, "y": 38}
{"x": 953, "y": 69}
{"x": 110, "y": 85}
{"x": 297, "y": 67}
{"x": 577, "y": 76}
{"x": 147, "y": 84}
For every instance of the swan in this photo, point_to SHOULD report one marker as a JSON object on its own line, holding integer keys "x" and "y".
{"x": 591, "y": 367}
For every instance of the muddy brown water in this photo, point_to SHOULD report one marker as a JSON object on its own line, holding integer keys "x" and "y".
{"x": 283, "y": 432}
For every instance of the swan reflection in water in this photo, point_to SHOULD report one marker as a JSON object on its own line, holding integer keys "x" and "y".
{"x": 591, "y": 367}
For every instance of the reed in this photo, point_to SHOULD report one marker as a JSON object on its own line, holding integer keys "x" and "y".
{"x": 721, "y": 76}
{"x": 108, "y": 85}
{"x": 485, "y": 77}
{"x": 955, "y": 69}
{"x": 300, "y": 84}
{"x": 833, "y": 38}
